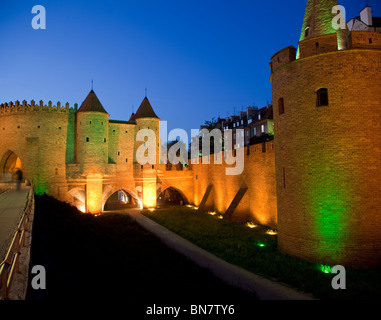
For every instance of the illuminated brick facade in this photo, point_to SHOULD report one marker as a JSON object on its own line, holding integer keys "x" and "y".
{"x": 318, "y": 182}
{"x": 328, "y": 154}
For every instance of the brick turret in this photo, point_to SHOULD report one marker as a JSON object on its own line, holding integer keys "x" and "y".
{"x": 327, "y": 163}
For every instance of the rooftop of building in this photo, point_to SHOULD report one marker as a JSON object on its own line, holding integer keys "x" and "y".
{"x": 91, "y": 104}
{"x": 144, "y": 111}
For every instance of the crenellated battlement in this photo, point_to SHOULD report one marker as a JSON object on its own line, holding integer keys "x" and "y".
{"x": 24, "y": 107}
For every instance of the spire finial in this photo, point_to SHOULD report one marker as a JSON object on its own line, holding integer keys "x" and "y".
{"x": 146, "y": 92}
{"x": 92, "y": 84}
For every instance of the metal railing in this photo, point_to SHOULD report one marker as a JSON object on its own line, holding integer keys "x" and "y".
{"x": 10, "y": 266}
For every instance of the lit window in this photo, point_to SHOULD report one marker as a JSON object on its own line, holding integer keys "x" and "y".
{"x": 322, "y": 97}
{"x": 262, "y": 128}
{"x": 259, "y": 117}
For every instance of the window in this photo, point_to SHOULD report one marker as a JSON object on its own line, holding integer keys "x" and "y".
{"x": 307, "y": 32}
{"x": 370, "y": 40}
{"x": 281, "y": 106}
{"x": 104, "y": 140}
{"x": 259, "y": 117}
{"x": 262, "y": 128}
{"x": 322, "y": 97}
{"x": 87, "y": 139}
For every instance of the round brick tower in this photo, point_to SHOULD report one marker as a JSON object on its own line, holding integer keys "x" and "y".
{"x": 92, "y": 135}
{"x": 327, "y": 124}
{"x": 146, "y": 118}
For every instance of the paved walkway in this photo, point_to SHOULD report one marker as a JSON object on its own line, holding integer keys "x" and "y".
{"x": 12, "y": 203}
{"x": 235, "y": 276}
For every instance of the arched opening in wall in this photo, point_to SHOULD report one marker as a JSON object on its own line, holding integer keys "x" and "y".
{"x": 79, "y": 199}
{"x": 10, "y": 163}
{"x": 171, "y": 197}
{"x": 120, "y": 200}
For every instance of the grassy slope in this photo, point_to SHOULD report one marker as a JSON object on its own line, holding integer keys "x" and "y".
{"x": 238, "y": 244}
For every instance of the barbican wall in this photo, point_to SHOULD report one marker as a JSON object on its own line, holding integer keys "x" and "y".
{"x": 258, "y": 203}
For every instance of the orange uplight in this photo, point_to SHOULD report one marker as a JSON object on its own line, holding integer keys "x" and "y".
{"x": 251, "y": 225}
{"x": 94, "y": 193}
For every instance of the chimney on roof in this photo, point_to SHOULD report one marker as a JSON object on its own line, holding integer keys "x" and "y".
{"x": 366, "y": 16}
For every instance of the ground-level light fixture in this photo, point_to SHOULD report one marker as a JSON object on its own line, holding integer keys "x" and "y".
{"x": 251, "y": 225}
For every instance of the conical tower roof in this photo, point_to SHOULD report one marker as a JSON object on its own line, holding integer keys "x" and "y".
{"x": 92, "y": 104}
{"x": 145, "y": 111}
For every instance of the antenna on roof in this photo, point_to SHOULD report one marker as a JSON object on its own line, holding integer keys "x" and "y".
{"x": 132, "y": 108}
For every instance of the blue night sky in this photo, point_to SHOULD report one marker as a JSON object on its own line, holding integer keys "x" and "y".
{"x": 198, "y": 59}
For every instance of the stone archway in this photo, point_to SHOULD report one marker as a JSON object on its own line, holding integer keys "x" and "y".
{"x": 171, "y": 196}
{"x": 119, "y": 199}
{"x": 79, "y": 198}
{"x": 9, "y": 164}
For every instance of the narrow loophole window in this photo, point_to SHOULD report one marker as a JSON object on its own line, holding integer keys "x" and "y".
{"x": 307, "y": 32}
{"x": 281, "y": 106}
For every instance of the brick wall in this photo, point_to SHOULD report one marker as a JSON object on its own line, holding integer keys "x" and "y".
{"x": 328, "y": 158}
{"x": 259, "y": 202}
